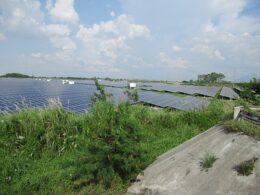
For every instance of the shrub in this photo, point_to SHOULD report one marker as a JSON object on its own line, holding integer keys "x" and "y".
{"x": 113, "y": 149}
{"x": 246, "y": 168}
{"x": 100, "y": 95}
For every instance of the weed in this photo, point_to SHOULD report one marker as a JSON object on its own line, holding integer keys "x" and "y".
{"x": 207, "y": 161}
{"x": 246, "y": 168}
{"x": 243, "y": 126}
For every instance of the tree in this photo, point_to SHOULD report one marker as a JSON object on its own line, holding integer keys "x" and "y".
{"x": 254, "y": 85}
{"x": 211, "y": 78}
{"x": 100, "y": 95}
{"x": 15, "y": 75}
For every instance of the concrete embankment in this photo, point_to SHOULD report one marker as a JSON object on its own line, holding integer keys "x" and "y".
{"x": 179, "y": 172}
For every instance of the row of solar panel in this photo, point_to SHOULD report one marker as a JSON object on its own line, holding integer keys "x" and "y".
{"x": 209, "y": 91}
{"x": 28, "y": 93}
{"x": 161, "y": 100}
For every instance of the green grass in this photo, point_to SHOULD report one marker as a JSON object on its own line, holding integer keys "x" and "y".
{"x": 50, "y": 151}
{"x": 243, "y": 126}
{"x": 207, "y": 161}
{"x": 246, "y": 168}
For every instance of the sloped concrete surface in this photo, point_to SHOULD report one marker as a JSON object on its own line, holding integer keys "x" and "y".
{"x": 178, "y": 171}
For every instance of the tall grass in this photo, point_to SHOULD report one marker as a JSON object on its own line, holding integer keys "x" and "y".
{"x": 50, "y": 151}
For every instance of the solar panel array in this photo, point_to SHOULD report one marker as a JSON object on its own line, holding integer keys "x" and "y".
{"x": 20, "y": 93}
{"x": 172, "y": 101}
{"x": 209, "y": 91}
{"x": 85, "y": 82}
{"x": 229, "y": 93}
{"x": 104, "y": 83}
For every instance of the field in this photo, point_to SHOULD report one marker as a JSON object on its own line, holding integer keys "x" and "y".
{"x": 50, "y": 151}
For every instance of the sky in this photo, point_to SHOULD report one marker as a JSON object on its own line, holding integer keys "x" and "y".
{"x": 142, "y": 39}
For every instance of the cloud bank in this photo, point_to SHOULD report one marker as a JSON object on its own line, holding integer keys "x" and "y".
{"x": 168, "y": 39}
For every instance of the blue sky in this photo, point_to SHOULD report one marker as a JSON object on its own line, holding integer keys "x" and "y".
{"x": 146, "y": 39}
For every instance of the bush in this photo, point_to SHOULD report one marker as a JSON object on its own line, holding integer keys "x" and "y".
{"x": 113, "y": 149}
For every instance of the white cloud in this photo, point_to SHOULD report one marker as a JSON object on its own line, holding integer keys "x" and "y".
{"x": 214, "y": 35}
{"x": 62, "y": 10}
{"x": 56, "y": 29}
{"x": 21, "y": 17}
{"x": 203, "y": 35}
{"x": 218, "y": 55}
{"x": 2, "y": 37}
{"x": 209, "y": 28}
{"x": 172, "y": 63}
{"x": 36, "y": 55}
{"x": 176, "y": 48}
{"x": 103, "y": 43}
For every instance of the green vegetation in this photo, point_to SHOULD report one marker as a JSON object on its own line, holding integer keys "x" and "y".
{"x": 243, "y": 126}
{"x": 132, "y": 95}
{"x": 15, "y": 75}
{"x": 100, "y": 95}
{"x": 211, "y": 78}
{"x": 246, "y": 168}
{"x": 50, "y": 151}
{"x": 250, "y": 90}
{"x": 207, "y": 161}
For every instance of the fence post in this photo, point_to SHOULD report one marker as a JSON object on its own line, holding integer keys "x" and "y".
{"x": 237, "y": 111}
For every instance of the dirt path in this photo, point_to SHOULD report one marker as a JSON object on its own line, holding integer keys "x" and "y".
{"x": 178, "y": 171}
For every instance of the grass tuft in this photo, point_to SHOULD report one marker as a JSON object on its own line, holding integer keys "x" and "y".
{"x": 246, "y": 168}
{"x": 207, "y": 161}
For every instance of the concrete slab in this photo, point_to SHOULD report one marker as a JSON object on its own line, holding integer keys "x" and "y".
{"x": 178, "y": 171}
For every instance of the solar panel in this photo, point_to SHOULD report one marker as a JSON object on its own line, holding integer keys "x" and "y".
{"x": 85, "y": 82}
{"x": 229, "y": 93}
{"x": 172, "y": 101}
{"x": 185, "y": 89}
{"x": 113, "y": 83}
{"x": 117, "y": 95}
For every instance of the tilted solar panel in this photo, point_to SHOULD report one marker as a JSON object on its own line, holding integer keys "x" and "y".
{"x": 209, "y": 91}
{"x": 229, "y": 93}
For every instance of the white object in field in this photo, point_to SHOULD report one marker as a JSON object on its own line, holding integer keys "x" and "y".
{"x": 68, "y": 82}
{"x": 132, "y": 85}
{"x": 48, "y": 80}
{"x": 237, "y": 111}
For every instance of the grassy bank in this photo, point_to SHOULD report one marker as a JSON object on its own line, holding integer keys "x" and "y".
{"x": 243, "y": 126}
{"x": 50, "y": 151}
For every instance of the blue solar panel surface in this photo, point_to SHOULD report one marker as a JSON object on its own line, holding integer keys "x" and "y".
{"x": 209, "y": 91}
{"x": 229, "y": 93}
{"x": 172, "y": 101}
{"x": 21, "y": 93}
